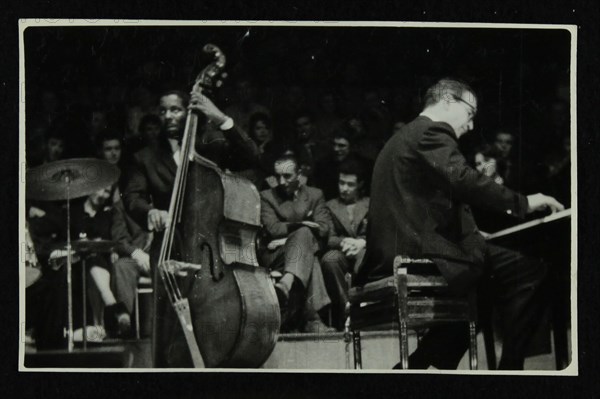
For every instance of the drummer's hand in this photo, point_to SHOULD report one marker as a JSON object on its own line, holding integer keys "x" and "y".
{"x": 158, "y": 220}
{"x": 142, "y": 259}
{"x": 35, "y": 212}
{"x": 541, "y": 202}
{"x": 201, "y": 103}
{"x": 114, "y": 257}
{"x": 60, "y": 253}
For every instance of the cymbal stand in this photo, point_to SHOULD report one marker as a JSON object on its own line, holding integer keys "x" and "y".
{"x": 70, "y": 343}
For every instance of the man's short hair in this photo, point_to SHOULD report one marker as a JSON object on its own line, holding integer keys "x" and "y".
{"x": 343, "y": 133}
{"x": 185, "y": 98}
{"x": 107, "y": 135}
{"x": 445, "y": 87}
{"x": 504, "y": 131}
{"x": 304, "y": 114}
{"x": 285, "y": 157}
{"x": 260, "y": 117}
{"x": 488, "y": 151}
{"x": 353, "y": 167}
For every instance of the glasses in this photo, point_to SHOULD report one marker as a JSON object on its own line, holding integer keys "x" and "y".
{"x": 471, "y": 109}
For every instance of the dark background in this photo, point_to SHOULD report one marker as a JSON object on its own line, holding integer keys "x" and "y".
{"x": 585, "y": 14}
{"x": 518, "y": 74}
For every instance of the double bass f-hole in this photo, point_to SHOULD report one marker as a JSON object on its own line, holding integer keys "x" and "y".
{"x": 210, "y": 260}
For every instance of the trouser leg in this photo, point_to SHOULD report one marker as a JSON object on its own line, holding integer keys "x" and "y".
{"x": 124, "y": 282}
{"x": 335, "y": 266}
{"x": 316, "y": 294}
{"x": 299, "y": 257}
{"x": 442, "y": 347}
{"x": 513, "y": 283}
{"x": 516, "y": 283}
{"x": 47, "y": 301}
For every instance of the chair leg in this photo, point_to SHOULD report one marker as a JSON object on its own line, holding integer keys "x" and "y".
{"x": 137, "y": 314}
{"x": 357, "y": 350}
{"x": 490, "y": 344}
{"x": 403, "y": 345}
{"x": 473, "y": 345}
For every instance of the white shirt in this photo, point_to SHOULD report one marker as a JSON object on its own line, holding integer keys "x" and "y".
{"x": 176, "y": 148}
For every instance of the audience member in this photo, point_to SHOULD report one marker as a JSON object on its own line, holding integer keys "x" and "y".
{"x": 149, "y": 130}
{"x": 376, "y": 117}
{"x": 347, "y": 236}
{"x": 55, "y": 145}
{"x": 327, "y": 119}
{"x": 366, "y": 146}
{"x": 261, "y": 131}
{"x": 327, "y": 169}
{"x": 486, "y": 162}
{"x": 558, "y": 167}
{"x": 512, "y": 171}
{"x": 245, "y": 105}
{"x": 297, "y": 223}
{"x": 307, "y": 150}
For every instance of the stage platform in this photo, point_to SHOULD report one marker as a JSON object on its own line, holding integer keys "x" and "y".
{"x": 292, "y": 352}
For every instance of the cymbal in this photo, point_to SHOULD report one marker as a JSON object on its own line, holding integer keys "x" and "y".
{"x": 93, "y": 245}
{"x": 81, "y": 176}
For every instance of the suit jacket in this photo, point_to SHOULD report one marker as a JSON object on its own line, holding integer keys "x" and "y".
{"x": 127, "y": 232}
{"x": 341, "y": 227}
{"x": 420, "y": 194}
{"x": 150, "y": 179}
{"x": 282, "y": 216}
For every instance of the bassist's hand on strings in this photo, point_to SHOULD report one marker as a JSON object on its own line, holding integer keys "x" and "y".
{"x": 158, "y": 220}
{"x": 199, "y": 102}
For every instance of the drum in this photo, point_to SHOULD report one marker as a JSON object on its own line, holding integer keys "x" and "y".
{"x": 33, "y": 270}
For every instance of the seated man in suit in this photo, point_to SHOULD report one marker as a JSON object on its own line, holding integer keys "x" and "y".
{"x": 347, "y": 236}
{"x": 133, "y": 259}
{"x": 296, "y": 223}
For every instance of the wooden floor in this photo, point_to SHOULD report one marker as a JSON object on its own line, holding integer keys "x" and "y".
{"x": 293, "y": 351}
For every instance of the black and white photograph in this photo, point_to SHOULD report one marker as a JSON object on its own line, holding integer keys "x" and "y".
{"x": 350, "y": 197}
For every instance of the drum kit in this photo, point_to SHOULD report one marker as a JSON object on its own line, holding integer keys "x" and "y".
{"x": 64, "y": 181}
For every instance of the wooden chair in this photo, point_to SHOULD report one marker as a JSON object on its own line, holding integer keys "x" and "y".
{"x": 408, "y": 300}
{"x": 144, "y": 287}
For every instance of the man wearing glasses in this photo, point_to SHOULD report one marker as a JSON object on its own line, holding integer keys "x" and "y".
{"x": 421, "y": 190}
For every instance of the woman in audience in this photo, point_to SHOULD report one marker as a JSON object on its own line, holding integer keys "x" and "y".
{"x": 261, "y": 131}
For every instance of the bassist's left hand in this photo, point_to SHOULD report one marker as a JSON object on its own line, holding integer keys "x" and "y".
{"x": 199, "y": 102}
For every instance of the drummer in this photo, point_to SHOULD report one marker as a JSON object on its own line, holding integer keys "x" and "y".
{"x": 91, "y": 219}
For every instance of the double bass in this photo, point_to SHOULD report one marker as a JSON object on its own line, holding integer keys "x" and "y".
{"x": 224, "y": 301}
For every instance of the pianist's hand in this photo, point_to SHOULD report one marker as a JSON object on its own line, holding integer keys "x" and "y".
{"x": 541, "y": 202}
